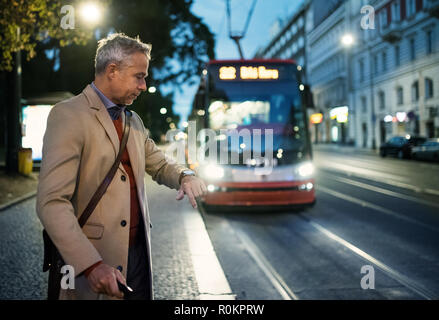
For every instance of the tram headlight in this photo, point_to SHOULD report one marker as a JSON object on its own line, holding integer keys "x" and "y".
{"x": 305, "y": 169}
{"x": 213, "y": 171}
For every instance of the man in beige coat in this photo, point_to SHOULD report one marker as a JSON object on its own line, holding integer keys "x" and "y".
{"x": 80, "y": 145}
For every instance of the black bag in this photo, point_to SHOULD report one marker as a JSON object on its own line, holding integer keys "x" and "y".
{"x": 53, "y": 263}
{"x": 53, "y": 260}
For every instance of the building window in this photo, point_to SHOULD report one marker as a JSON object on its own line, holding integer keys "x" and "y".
{"x": 300, "y": 42}
{"x": 415, "y": 91}
{"x": 428, "y": 88}
{"x": 363, "y": 104}
{"x": 396, "y": 11}
{"x": 400, "y": 96}
{"x": 412, "y": 49}
{"x": 361, "y": 63}
{"x": 294, "y": 29}
{"x": 397, "y": 56}
{"x": 410, "y": 7}
{"x": 381, "y": 100}
{"x": 429, "y": 36}
{"x": 384, "y": 61}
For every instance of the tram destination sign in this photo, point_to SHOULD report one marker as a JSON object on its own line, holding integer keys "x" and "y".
{"x": 252, "y": 71}
{"x": 248, "y": 73}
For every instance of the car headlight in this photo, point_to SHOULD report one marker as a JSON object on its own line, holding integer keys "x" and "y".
{"x": 213, "y": 171}
{"x": 305, "y": 169}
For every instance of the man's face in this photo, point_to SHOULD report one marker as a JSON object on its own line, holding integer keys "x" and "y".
{"x": 128, "y": 80}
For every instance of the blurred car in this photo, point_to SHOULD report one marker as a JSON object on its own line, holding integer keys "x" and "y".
{"x": 401, "y": 146}
{"x": 427, "y": 151}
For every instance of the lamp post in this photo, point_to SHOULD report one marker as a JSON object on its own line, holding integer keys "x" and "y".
{"x": 13, "y": 115}
{"x": 348, "y": 41}
{"x": 91, "y": 13}
{"x": 372, "y": 100}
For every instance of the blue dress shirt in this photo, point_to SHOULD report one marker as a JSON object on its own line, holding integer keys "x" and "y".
{"x": 113, "y": 109}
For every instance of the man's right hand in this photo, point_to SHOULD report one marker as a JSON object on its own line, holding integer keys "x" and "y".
{"x": 103, "y": 279}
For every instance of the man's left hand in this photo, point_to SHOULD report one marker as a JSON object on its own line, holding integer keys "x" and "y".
{"x": 193, "y": 187}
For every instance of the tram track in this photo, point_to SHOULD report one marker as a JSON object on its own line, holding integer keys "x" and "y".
{"x": 389, "y": 271}
{"x": 363, "y": 216}
{"x": 285, "y": 290}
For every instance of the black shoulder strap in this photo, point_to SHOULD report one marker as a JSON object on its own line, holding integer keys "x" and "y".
{"x": 110, "y": 175}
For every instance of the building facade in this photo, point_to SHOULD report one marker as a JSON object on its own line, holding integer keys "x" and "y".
{"x": 328, "y": 72}
{"x": 311, "y": 37}
{"x": 289, "y": 42}
{"x": 396, "y": 71}
{"x": 383, "y": 83}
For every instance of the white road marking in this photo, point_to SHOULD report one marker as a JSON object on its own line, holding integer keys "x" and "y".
{"x": 405, "y": 281}
{"x": 362, "y": 171}
{"x": 375, "y": 207}
{"x": 389, "y": 181}
{"x": 385, "y": 191}
{"x": 211, "y": 280}
{"x": 432, "y": 191}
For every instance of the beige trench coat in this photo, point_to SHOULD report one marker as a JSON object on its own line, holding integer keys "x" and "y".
{"x": 80, "y": 145}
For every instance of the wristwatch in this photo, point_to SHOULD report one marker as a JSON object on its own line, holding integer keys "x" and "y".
{"x": 184, "y": 173}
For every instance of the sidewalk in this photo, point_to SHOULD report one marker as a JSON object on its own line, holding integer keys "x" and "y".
{"x": 185, "y": 266}
{"x": 338, "y": 148}
{"x": 16, "y": 187}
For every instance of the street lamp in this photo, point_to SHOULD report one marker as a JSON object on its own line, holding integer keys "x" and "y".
{"x": 163, "y": 110}
{"x": 347, "y": 40}
{"x": 91, "y": 12}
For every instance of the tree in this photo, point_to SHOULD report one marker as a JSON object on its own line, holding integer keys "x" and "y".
{"x": 62, "y": 59}
{"x": 181, "y": 43}
{"x": 148, "y": 107}
{"x": 24, "y": 24}
{"x": 174, "y": 32}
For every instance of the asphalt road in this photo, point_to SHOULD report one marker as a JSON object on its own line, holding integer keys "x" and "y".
{"x": 379, "y": 216}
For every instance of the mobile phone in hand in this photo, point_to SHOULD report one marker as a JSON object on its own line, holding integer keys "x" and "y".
{"x": 125, "y": 289}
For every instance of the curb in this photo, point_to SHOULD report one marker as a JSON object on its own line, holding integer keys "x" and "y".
{"x": 18, "y": 200}
{"x": 211, "y": 280}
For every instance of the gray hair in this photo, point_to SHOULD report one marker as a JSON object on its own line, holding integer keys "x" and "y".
{"x": 116, "y": 48}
